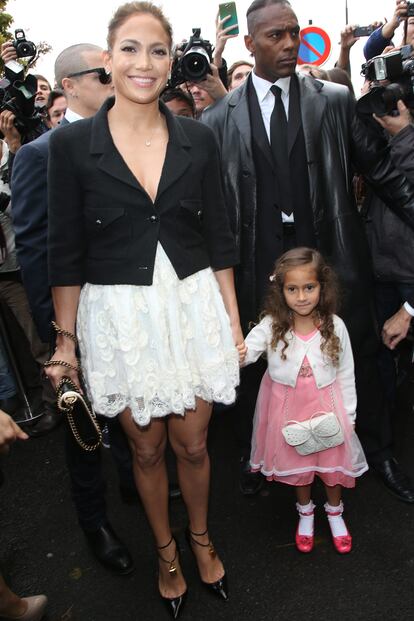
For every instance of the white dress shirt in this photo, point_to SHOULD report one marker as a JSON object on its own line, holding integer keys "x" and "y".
{"x": 72, "y": 116}
{"x": 267, "y": 101}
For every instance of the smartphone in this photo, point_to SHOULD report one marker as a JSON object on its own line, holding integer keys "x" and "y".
{"x": 363, "y": 31}
{"x": 410, "y": 9}
{"x": 229, "y": 8}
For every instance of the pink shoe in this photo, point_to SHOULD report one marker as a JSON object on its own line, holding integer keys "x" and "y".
{"x": 342, "y": 543}
{"x": 305, "y": 543}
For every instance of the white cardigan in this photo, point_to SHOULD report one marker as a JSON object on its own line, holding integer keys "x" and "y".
{"x": 286, "y": 371}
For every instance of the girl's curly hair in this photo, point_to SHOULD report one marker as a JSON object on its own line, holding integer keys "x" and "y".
{"x": 275, "y": 303}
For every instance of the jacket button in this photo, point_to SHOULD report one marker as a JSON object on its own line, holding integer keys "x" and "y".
{"x": 199, "y": 213}
{"x": 153, "y": 218}
{"x": 98, "y": 221}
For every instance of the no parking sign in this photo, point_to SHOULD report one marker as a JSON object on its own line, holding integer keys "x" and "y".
{"x": 315, "y": 46}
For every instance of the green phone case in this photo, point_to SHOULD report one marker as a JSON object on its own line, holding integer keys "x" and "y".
{"x": 229, "y": 8}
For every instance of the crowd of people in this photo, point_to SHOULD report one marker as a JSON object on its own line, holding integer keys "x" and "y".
{"x": 152, "y": 225}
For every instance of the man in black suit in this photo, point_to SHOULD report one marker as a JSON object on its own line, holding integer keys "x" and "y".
{"x": 79, "y": 72}
{"x": 287, "y": 143}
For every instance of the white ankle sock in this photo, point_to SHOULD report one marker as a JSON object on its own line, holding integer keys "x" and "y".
{"x": 305, "y": 526}
{"x": 336, "y": 522}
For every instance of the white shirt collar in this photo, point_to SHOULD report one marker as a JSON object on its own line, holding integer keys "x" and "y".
{"x": 262, "y": 86}
{"x": 72, "y": 116}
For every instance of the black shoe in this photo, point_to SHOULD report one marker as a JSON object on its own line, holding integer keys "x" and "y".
{"x": 109, "y": 550}
{"x": 395, "y": 480}
{"x": 250, "y": 482}
{"x": 219, "y": 587}
{"x": 47, "y": 422}
{"x": 174, "y": 605}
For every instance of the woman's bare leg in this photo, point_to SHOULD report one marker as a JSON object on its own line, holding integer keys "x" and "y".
{"x": 148, "y": 446}
{"x": 188, "y": 438}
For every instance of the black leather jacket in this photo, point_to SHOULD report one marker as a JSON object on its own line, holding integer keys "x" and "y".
{"x": 391, "y": 240}
{"x": 335, "y": 141}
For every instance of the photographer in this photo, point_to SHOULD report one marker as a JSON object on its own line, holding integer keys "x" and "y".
{"x": 11, "y": 133}
{"x": 393, "y": 254}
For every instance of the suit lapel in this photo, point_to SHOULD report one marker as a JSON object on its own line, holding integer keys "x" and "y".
{"x": 294, "y": 113}
{"x": 257, "y": 126}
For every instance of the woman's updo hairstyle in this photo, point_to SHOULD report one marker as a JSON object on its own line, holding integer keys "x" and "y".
{"x": 127, "y": 10}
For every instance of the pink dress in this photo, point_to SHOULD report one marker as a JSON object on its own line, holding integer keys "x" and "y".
{"x": 271, "y": 455}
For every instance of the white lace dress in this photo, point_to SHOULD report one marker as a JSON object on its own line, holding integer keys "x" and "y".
{"x": 156, "y": 348}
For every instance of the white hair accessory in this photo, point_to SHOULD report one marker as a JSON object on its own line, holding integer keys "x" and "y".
{"x": 272, "y": 278}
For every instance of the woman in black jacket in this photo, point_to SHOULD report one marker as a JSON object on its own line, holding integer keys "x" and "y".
{"x": 140, "y": 257}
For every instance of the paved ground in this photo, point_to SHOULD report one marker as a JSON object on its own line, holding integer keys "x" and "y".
{"x": 42, "y": 549}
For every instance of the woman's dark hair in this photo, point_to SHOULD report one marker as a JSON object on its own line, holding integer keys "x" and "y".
{"x": 125, "y": 11}
{"x": 276, "y": 306}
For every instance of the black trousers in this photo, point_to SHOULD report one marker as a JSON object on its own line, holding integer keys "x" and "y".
{"x": 85, "y": 472}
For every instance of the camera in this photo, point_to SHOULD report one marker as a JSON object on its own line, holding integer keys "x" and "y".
{"x": 397, "y": 68}
{"x": 410, "y": 9}
{"x": 363, "y": 31}
{"x": 23, "y": 47}
{"x": 193, "y": 64}
{"x": 17, "y": 94}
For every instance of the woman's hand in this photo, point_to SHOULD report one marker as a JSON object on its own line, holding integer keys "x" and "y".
{"x": 239, "y": 341}
{"x": 222, "y": 36}
{"x": 56, "y": 372}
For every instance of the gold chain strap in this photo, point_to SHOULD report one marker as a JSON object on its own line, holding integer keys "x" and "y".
{"x": 61, "y": 363}
{"x": 63, "y": 332}
{"x": 66, "y": 402}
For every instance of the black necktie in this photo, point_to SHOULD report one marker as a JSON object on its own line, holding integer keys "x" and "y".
{"x": 279, "y": 146}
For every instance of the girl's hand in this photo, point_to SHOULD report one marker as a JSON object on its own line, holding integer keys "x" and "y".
{"x": 56, "y": 372}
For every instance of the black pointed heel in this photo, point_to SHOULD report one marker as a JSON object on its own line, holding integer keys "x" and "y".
{"x": 174, "y": 605}
{"x": 220, "y": 587}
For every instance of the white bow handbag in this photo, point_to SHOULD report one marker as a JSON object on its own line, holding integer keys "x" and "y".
{"x": 319, "y": 432}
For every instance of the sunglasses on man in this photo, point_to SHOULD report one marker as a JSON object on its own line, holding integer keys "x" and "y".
{"x": 104, "y": 78}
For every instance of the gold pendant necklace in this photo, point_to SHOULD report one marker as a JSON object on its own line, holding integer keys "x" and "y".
{"x": 148, "y": 141}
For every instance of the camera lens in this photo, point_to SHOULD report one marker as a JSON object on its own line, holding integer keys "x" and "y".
{"x": 195, "y": 64}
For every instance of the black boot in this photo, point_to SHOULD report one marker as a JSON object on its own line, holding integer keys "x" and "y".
{"x": 109, "y": 550}
{"x": 250, "y": 482}
{"x": 395, "y": 480}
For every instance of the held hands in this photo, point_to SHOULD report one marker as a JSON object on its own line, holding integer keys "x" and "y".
{"x": 239, "y": 341}
{"x": 395, "y": 328}
{"x": 9, "y": 432}
{"x": 394, "y": 124}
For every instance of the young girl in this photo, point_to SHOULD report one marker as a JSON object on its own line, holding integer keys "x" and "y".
{"x": 310, "y": 372}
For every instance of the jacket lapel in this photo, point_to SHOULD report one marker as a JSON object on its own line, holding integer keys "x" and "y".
{"x": 312, "y": 107}
{"x": 110, "y": 161}
{"x": 177, "y": 158}
{"x": 240, "y": 116}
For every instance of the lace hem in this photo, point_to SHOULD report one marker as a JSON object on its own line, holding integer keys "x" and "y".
{"x": 359, "y": 470}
